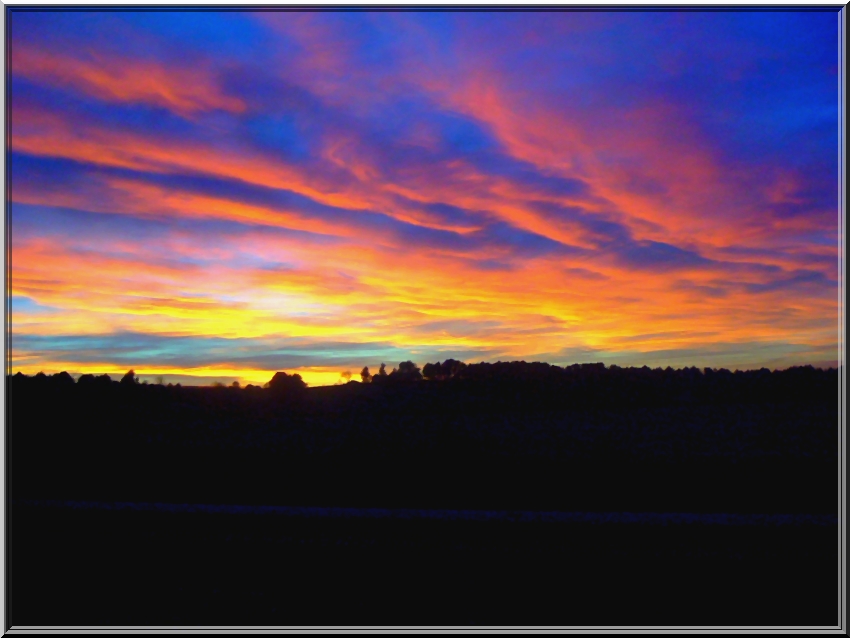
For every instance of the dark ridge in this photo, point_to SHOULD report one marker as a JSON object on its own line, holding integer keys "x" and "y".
{"x": 506, "y": 494}
{"x": 487, "y": 436}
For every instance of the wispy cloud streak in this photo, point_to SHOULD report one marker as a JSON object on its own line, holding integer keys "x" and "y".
{"x": 192, "y": 194}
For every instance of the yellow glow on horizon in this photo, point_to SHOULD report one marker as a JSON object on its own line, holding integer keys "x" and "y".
{"x": 313, "y": 376}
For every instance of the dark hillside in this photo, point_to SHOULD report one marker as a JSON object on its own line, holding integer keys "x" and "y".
{"x": 506, "y": 494}
{"x": 585, "y": 438}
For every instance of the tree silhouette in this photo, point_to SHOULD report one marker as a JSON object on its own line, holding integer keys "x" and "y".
{"x": 451, "y": 368}
{"x": 85, "y": 380}
{"x": 283, "y": 383}
{"x": 129, "y": 379}
{"x": 407, "y": 371}
{"x": 365, "y": 375}
{"x": 382, "y": 377}
{"x": 445, "y": 370}
{"x": 63, "y": 379}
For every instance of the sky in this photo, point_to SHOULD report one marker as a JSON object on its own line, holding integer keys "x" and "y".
{"x": 215, "y": 196}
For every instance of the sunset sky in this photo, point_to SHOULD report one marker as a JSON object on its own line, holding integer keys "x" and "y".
{"x": 214, "y": 196}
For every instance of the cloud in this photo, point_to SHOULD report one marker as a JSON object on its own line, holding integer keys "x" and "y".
{"x": 630, "y": 187}
{"x": 125, "y": 80}
{"x": 660, "y": 256}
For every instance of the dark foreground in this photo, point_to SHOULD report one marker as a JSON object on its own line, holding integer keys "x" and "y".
{"x": 92, "y": 566}
{"x": 761, "y": 447}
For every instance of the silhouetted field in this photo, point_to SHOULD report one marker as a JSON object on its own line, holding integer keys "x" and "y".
{"x": 80, "y": 566}
{"x": 496, "y": 438}
{"x": 596, "y": 440}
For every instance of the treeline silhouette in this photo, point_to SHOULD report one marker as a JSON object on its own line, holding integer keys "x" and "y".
{"x": 500, "y": 436}
{"x": 593, "y": 382}
{"x": 579, "y": 383}
{"x": 448, "y": 435}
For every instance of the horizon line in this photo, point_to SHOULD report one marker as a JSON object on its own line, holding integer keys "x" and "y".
{"x": 206, "y": 380}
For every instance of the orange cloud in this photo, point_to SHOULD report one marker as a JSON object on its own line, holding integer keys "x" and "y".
{"x": 606, "y": 226}
{"x": 182, "y": 90}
